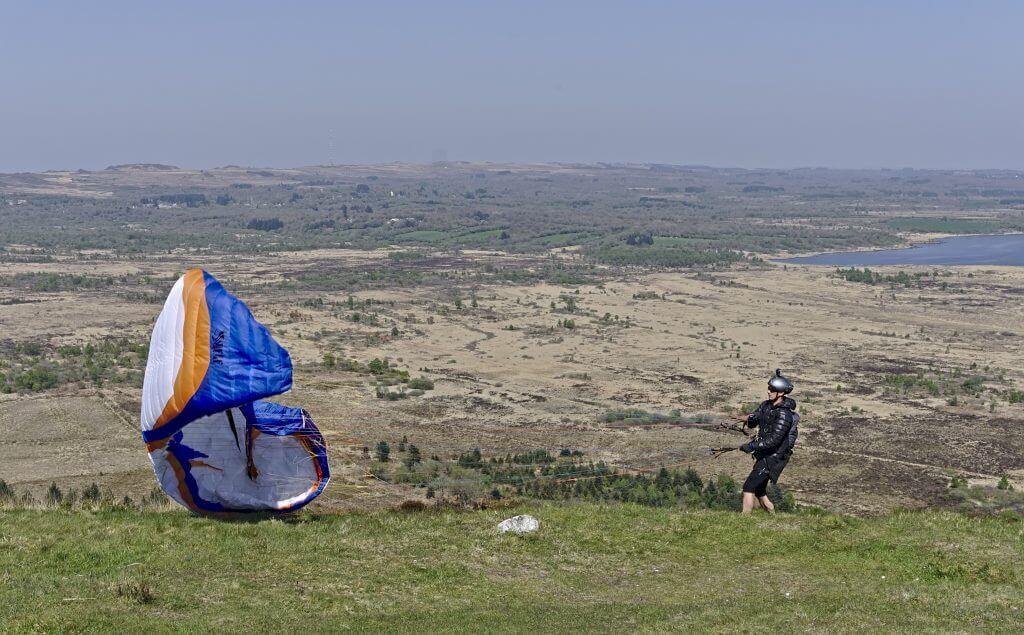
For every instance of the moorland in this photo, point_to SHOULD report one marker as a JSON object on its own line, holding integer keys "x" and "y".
{"x": 506, "y": 331}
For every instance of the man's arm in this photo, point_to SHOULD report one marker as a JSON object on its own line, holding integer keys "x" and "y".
{"x": 752, "y": 418}
{"x": 779, "y": 430}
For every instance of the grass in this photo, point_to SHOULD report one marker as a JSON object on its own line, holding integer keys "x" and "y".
{"x": 679, "y": 241}
{"x": 422, "y": 235}
{"x": 480, "y": 235}
{"x": 590, "y": 568}
{"x": 562, "y": 238}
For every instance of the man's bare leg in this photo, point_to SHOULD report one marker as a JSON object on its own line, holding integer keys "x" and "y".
{"x": 748, "y": 502}
{"x": 766, "y": 504}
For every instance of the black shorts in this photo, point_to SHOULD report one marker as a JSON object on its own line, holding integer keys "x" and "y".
{"x": 767, "y": 469}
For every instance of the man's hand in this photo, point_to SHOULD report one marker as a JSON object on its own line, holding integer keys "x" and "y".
{"x": 747, "y": 447}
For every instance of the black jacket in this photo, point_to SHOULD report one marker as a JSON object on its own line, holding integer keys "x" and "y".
{"x": 776, "y": 429}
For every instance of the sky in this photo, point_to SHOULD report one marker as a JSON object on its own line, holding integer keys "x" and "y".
{"x": 775, "y": 84}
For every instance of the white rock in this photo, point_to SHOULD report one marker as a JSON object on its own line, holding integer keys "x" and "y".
{"x": 519, "y": 524}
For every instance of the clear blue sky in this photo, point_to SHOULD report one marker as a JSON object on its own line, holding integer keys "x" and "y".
{"x": 751, "y": 84}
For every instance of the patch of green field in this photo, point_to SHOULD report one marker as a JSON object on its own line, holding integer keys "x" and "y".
{"x": 678, "y": 241}
{"x": 484, "y": 235}
{"x": 591, "y": 568}
{"x": 564, "y": 238}
{"x": 422, "y": 236}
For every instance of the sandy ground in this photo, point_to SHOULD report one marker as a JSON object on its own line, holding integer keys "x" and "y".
{"x": 508, "y": 378}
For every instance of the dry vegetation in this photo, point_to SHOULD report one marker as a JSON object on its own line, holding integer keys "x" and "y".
{"x": 524, "y": 346}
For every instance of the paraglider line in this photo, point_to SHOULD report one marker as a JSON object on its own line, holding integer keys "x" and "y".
{"x": 234, "y": 430}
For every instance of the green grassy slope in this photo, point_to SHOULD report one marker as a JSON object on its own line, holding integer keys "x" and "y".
{"x": 590, "y": 568}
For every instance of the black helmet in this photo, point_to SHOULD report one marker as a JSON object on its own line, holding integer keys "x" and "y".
{"x": 778, "y": 383}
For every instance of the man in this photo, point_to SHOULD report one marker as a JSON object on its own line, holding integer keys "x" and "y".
{"x": 776, "y": 422}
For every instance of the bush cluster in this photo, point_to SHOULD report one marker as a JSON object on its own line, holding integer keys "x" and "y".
{"x": 89, "y": 497}
{"x": 34, "y": 366}
{"x": 469, "y": 476}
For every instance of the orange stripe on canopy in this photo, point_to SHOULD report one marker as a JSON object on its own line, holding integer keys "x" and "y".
{"x": 195, "y": 358}
{"x": 179, "y": 473}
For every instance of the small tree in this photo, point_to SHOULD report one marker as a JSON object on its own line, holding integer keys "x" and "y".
{"x": 383, "y": 451}
{"x": 413, "y": 457}
{"x": 91, "y": 494}
{"x": 6, "y": 492}
{"x": 692, "y": 479}
{"x": 54, "y": 496}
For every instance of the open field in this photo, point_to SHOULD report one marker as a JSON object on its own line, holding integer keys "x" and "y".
{"x": 529, "y": 345}
{"x": 591, "y": 568}
{"x": 508, "y": 378}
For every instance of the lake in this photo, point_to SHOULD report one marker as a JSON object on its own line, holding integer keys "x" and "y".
{"x": 1002, "y": 249}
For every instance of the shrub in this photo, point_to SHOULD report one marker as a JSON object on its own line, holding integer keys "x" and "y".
{"x": 54, "y": 496}
{"x": 6, "y": 492}
{"x": 471, "y": 459}
{"x": 692, "y": 479}
{"x": 783, "y": 500}
{"x": 974, "y": 385}
{"x": 91, "y": 494}
{"x": 156, "y": 497}
{"x": 411, "y": 505}
{"x": 36, "y": 379}
{"x": 421, "y": 383}
{"x": 135, "y": 591}
{"x": 265, "y": 224}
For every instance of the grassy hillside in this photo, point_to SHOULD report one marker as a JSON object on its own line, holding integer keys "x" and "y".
{"x": 590, "y": 568}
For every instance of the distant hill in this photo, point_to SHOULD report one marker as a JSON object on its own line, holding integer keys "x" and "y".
{"x": 156, "y": 167}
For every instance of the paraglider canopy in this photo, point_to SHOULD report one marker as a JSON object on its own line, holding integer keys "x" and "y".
{"x": 215, "y": 446}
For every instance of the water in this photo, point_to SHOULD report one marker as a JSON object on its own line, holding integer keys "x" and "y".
{"x": 1002, "y": 249}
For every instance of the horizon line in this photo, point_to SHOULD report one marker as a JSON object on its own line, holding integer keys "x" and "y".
{"x": 157, "y": 166}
